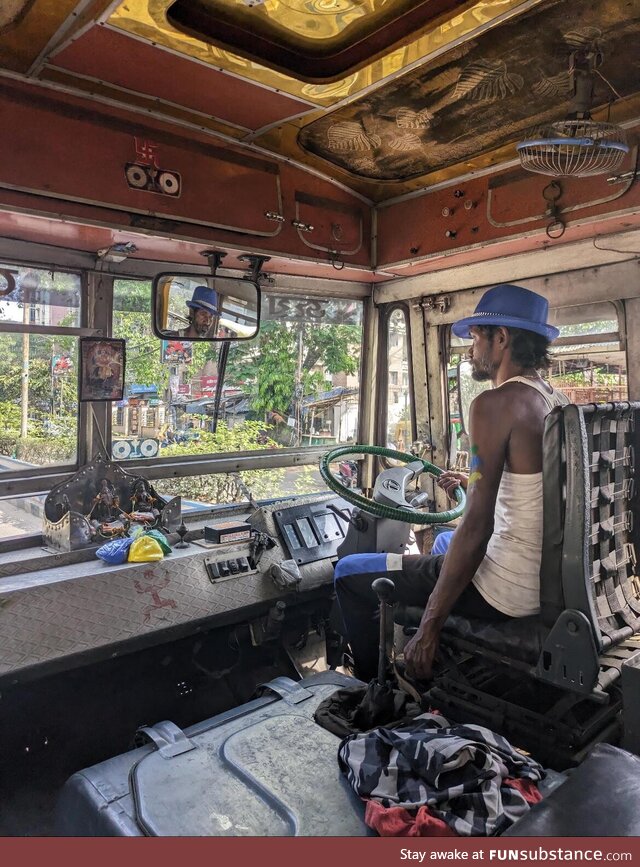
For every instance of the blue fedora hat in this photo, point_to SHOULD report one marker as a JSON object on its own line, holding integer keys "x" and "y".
{"x": 204, "y": 298}
{"x": 513, "y": 307}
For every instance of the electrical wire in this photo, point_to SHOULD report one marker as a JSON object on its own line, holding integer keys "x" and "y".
{"x": 608, "y": 83}
{"x": 634, "y": 253}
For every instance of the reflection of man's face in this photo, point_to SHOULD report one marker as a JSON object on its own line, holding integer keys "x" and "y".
{"x": 202, "y": 321}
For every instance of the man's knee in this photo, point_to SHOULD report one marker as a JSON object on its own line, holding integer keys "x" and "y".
{"x": 360, "y": 564}
{"x": 441, "y": 543}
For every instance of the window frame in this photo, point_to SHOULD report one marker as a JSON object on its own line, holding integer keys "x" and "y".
{"x": 38, "y": 480}
{"x": 95, "y": 419}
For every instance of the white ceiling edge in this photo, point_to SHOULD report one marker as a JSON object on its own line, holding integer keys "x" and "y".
{"x": 516, "y": 266}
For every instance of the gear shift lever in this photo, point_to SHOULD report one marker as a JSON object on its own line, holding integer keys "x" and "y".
{"x": 384, "y": 589}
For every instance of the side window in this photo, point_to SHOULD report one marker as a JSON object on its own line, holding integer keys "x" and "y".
{"x": 589, "y": 361}
{"x": 399, "y": 411}
{"x": 38, "y": 368}
{"x": 461, "y": 389}
{"x": 588, "y": 364}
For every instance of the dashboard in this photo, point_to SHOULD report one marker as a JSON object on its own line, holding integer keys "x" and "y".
{"x": 64, "y": 612}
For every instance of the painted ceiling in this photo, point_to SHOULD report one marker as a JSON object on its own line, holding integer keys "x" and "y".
{"x": 450, "y": 96}
{"x": 482, "y": 94}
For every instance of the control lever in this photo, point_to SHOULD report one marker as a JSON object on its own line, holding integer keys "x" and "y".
{"x": 260, "y": 542}
{"x": 419, "y": 499}
{"x": 384, "y": 589}
{"x": 355, "y": 518}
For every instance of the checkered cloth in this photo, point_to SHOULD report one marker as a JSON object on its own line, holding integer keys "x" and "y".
{"x": 456, "y": 770}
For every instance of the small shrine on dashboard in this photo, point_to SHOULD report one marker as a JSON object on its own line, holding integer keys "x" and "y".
{"x": 102, "y": 501}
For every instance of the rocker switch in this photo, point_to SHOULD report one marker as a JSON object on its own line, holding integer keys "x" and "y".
{"x": 223, "y": 568}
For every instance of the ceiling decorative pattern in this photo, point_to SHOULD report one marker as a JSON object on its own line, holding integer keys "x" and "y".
{"x": 147, "y": 19}
{"x": 314, "y": 40}
{"x": 12, "y": 11}
{"x": 482, "y": 94}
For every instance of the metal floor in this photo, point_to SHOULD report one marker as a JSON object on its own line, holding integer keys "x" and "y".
{"x": 51, "y": 728}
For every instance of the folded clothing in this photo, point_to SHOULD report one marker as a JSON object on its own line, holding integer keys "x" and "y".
{"x": 458, "y": 771}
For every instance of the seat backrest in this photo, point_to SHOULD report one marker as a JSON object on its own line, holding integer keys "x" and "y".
{"x": 590, "y": 502}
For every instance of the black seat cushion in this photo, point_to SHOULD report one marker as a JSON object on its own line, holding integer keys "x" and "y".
{"x": 519, "y": 638}
{"x": 601, "y": 798}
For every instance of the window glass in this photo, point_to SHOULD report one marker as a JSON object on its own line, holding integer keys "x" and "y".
{"x": 198, "y": 492}
{"x": 295, "y": 385}
{"x": 21, "y": 516}
{"x": 589, "y": 364}
{"x": 301, "y": 374}
{"x": 298, "y": 381}
{"x": 399, "y": 429}
{"x": 38, "y": 371}
{"x": 37, "y": 297}
{"x": 38, "y": 400}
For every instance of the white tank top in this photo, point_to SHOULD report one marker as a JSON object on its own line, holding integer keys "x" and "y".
{"x": 509, "y": 576}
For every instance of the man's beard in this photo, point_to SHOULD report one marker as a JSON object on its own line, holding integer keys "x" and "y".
{"x": 483, "y": 370}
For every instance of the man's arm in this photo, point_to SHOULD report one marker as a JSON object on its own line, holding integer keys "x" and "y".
{"x": 489, "y": 436}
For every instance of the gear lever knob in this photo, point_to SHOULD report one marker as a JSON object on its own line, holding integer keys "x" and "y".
{"x": 384, "y": 589}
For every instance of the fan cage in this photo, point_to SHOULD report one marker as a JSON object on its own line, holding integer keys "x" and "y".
{"x": 573, "y": 148}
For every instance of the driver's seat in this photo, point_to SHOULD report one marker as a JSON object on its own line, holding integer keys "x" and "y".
{"x": 589, "y": 623}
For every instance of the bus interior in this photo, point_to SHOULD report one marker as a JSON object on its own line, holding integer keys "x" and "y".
{"x": 336, "y": 182}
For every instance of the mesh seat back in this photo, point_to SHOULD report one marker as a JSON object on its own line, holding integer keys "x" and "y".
{"x": 597, "y": 446}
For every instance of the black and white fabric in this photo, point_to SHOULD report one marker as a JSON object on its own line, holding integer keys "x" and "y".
{"x": 458, "y": 771}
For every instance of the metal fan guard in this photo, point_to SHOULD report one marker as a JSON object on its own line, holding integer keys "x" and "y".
{"x": 573, "y": 148}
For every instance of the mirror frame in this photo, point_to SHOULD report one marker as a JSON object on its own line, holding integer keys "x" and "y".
{"x": 155, "y": 295}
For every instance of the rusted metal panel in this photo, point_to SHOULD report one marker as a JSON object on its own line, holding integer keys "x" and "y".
{"x": 508, "y": 205}
{"x": 64, "y": 156}
{"x": 109, "y": 56}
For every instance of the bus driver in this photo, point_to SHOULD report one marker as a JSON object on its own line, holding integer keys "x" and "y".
{"x": 491, "y": 569}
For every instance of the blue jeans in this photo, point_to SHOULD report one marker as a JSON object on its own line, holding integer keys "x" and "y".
{"x": 442, "y": 542}
{"x": 414, "y": 576}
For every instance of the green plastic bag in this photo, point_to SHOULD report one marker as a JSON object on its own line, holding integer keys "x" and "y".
{"x": 161, "y": 539}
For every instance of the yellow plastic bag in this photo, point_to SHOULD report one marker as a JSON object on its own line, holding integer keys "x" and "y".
{"x": 145, "y": 550}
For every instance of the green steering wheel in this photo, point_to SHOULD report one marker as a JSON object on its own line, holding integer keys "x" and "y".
{"x": 378, "y": 509}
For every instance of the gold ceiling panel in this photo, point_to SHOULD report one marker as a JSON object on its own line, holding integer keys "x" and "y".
{"x": 29, "y": 28}
{"x": 147, "y": 19}
{"x": 12, "y": 11}
{"x": 338, "y": 22}
{"x": 311, "y": 40}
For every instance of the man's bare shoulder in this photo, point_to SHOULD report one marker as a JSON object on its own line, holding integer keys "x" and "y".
{"x": 488, "y": 409}
{"x": 521, "y": 393}
{"x": 486, "y": 401}
{"x": 502, "y": 406}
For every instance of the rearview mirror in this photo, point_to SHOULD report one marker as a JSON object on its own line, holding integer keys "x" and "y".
{"x": 195, "y": 307}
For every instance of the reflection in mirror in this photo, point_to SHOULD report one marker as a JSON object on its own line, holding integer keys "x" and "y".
{"x": 196, "y": 307}
{"x": 468, "y": 390}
